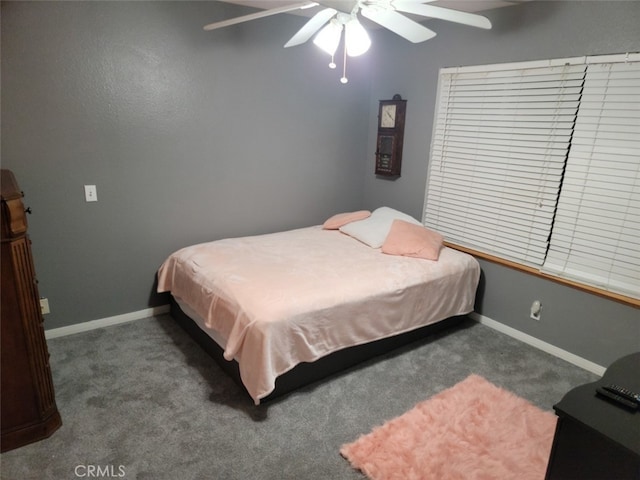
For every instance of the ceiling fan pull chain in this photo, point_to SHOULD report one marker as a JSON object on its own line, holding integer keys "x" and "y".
{"x": 332, "y": 64}
{"x": 344, "y": 78}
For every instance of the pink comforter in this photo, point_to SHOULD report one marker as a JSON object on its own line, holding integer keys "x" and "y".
{"x": 291, "y": 297}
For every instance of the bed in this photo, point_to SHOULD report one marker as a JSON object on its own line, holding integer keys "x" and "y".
{"x": 290, "y": 307}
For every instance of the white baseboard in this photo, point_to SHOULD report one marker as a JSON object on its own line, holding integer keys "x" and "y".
{"x": 539, "y": 344}
{"x": 105, "y": 322}
{"x": 501, "y": 327}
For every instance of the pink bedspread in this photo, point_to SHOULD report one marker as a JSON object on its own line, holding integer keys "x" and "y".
{"x": 295, "y": 296}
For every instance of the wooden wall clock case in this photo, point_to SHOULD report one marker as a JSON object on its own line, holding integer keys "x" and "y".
{"x": 390, "y": 137}
{"x": 27, "y": 398}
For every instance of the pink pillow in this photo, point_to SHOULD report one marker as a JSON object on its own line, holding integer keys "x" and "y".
{"x": 341, "y": 219}
{"x": 411, "y": 240}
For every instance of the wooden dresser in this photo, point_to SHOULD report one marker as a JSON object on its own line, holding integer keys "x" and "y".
{"x": 27, "y": 398}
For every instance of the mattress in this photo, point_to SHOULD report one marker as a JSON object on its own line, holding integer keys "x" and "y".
{"x": 273, "y": 301}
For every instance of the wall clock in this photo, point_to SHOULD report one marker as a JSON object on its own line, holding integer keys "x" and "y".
{"x": 391, "y": 115}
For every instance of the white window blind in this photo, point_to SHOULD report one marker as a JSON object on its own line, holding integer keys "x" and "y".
{"x": 499, "y": 147}
{"x": 596, "y": 234}
{"x": 539, "y": 163}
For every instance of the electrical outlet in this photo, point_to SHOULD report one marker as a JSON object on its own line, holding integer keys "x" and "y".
{"x": 90, "y": 193}
{"x": 44, "y": 306}
{"x": 536, "y": 310}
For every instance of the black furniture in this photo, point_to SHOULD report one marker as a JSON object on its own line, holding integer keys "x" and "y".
{"x": 595, "y": 437}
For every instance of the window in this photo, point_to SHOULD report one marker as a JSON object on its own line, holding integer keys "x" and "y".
{"x": 538, "y": 163}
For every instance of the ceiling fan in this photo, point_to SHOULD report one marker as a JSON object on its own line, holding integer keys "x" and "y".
{"x": 342, "y": 15}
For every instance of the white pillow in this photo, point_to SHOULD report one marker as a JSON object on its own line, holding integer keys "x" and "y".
{"x": 374, "y": 230}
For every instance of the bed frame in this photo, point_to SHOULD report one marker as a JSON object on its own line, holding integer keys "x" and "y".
{"x": 306, "y": 373}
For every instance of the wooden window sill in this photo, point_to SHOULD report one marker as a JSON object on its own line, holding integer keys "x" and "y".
{"x": 634, "y": 302}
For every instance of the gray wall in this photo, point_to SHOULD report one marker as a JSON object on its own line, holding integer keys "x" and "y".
{"x": 189, "y": 136}
{"x": 592, "y": 327}
{"x": 192, "y": 136}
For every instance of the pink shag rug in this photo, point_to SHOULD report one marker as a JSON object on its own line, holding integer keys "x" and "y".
{"x": 473, "y": 430}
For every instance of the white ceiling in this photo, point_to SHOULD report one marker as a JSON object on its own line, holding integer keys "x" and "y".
{"x": 346, "y": 5}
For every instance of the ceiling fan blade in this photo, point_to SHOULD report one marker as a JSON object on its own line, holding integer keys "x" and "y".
{"x": 398, "y": 24}
{"x": 311, "y": 27}
{"x": 261, "y": 14}
{"x": 456, "y": 16}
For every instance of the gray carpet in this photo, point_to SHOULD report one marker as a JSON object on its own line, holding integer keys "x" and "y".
{"x": 143, "y": 396}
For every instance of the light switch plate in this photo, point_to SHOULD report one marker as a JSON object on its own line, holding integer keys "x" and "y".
{"x": 90, "y": 193}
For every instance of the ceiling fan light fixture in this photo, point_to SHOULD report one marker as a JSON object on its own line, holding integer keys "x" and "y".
{"x": 356, "y": 38}
{"x": 328, "y": 38}
{"x": 390, "y": 14}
